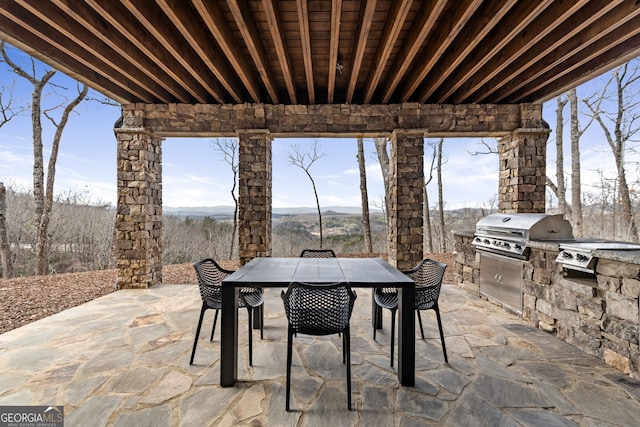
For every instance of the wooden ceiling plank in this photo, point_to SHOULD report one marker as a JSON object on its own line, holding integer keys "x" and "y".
{"x": 555, "y": 16}
{"x": 305, "y": 38}
{"x": 185, "y": 19}
{"x": 336, "y": 11}
{"x": 122, "y": 47}
{"x": 472, "y": 35}
{"x": 610, "y": 59}
{"x": 397, "y": 16}
{"x": 426, "y": 19}
{"x": 249, "y": 31}
{"x": 47, "y": 12}
{"x": 359, "y": 44}
{"x": 14, "y": 34}
{"x": 443, "y": 36}
{"x": 519, "y": 19}
{"x": 162, "y": 29}
{"x": 22, "y": 17}
{"x": 277, "y": 35}
{"x": 584, "y": 18}
{"x": 569, "y": 63}
{"x": 133, "y": 32}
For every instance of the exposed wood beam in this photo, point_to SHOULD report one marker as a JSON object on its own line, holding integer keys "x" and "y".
{"x": 425, "y": 21}
{"x": 305, "y": 39}
{"x": 488, "y": 16}
{"x": 47, "y": 12}
{"x": 99, "y": 28}
{"x": 444, "y": 35}
{"x": 334, "y": 39}
{"x": 614, "y": 57}
{"x": 52, "y": 37}
{"x": 592, "y": 13}
{"x": 132, "y": 31}
{"x": 397, "y": 16}
{"x": 185, "y": 19}
{"x": 359, "y": 44}
{"x": 249, "y": 31}
{"x": 566, "y": 61}
{"x": 524, "y": 14}
{"x": 38, "y": 48}
{"x": 277, "y": 34}
{"x": 162, "y": 29}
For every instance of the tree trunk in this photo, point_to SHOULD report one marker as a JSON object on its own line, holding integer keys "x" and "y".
{"x": 576, "y": 182}
{"x": 428, "y": 229}
{"x": 561, "y": 191}
{"x": 368, "y": 247}
{"x": 5, "y": 248}
{"x": 383, "y": 158}
{"x": 443, "y": 246}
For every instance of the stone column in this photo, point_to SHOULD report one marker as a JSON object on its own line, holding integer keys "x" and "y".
{"x": 254, "y": 195}
{"x": 139, "y": 211}
{"x": 523, "y": 171}
{"x": 406, "y": 173}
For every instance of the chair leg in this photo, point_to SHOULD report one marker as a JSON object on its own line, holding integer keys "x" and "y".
{"x": 420, "y": 321}
{"x": 195, "y": 340}
{"x": 215, "y": 320}
{"x": 347, "y": 340}
{"x": 444, "y": 348}
{"x": 250, "y": 313}
{"x": 289, "y": 354}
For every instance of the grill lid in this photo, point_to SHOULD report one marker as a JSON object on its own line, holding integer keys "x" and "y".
{"x": 523, "y": 227}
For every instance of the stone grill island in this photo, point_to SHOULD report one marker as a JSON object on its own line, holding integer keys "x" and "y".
{"x": 596, "y": 310}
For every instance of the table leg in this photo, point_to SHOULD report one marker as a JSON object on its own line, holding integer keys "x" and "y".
{"x": 229, "y": 336}
{"x": 406, "y": 336}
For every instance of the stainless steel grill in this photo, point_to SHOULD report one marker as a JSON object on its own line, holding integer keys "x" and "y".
{"x": 509, "y": 234}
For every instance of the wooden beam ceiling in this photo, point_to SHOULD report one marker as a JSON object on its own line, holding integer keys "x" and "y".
{"x": 318, "y": 52}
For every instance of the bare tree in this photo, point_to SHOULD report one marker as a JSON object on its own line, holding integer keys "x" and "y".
{"x": 619, "y": 127}
{"x": 5, "y": 248}
{"x": 560, "y": 189}
{"x": 425, "y": 208}
{"x": 43, "y": 192}
{"x": 440, "y": 196}
{"x": 8, "y": 110}
{"x": 383, "y": 158}
{"x": 304, "y": 160}
{"x": 368, "y": 247}
{"x": 228, "y": 148}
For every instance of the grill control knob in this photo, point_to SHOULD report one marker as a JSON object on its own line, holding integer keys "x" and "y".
{"x": 581, "y": 257}
{"x": 506, "y": 245}
{"x": 487, "y": 242}
{"x": 517, "y": 246}
{"x": 567, "y": 255}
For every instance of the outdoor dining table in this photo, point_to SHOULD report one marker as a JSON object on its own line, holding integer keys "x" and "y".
{"x": 266, "y": 272}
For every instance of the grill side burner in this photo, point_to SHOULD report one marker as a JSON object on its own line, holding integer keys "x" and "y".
{"x": 579, "y": 255}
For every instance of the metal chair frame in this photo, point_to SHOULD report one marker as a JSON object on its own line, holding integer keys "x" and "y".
{"x": 427, "y": 275}
{"x": 210, "y": 277}
{"x": 319, "y": 309}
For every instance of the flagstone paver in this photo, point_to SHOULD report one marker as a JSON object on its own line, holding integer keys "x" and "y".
{"x": 123, "y": 360}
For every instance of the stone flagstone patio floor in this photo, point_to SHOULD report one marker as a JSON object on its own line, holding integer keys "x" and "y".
{"x": 123, "y": 360}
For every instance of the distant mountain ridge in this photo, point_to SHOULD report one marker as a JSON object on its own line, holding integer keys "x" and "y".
{"x": 221, "y": 211}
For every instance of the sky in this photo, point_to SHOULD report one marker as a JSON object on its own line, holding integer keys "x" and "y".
{"x": 195, "y": 175}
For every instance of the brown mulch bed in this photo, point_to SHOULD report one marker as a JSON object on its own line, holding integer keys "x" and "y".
{"x": 27, "y": 299}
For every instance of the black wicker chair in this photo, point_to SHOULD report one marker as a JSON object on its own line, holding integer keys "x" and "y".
{"x": 210, "y": 277}
{"x": 317, "y": 253}
{"x": 427, "y": 275}
{"x": 319, "y": 310}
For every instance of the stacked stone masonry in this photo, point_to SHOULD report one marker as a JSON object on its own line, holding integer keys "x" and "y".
{"x": 597, "y": 313}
